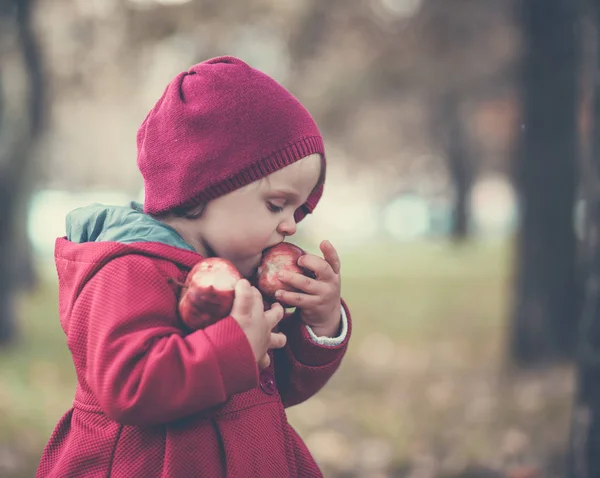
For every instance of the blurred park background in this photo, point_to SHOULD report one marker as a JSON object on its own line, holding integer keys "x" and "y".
{"x": 462, "y": 195}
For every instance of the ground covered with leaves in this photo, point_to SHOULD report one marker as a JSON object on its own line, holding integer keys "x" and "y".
{"x": 424, "y": 390}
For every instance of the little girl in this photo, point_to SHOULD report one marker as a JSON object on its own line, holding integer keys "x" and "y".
{"x": 231, "y": 163}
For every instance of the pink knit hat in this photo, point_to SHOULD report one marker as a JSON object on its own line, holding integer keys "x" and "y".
{"x": 217, "y": 127}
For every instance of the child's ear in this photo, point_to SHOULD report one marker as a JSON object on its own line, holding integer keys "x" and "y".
{"x": 194, "y": 212}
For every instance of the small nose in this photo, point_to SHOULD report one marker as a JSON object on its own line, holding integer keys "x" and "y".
{"x": 287, "y": 227}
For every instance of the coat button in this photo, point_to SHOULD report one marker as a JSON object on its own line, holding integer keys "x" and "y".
{"x": 267, "y": 383}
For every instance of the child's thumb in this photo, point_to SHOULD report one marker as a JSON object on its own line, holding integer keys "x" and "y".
{"x": 242, "y": 301}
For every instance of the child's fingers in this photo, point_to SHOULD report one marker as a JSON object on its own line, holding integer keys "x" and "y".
{"x": 318, "y": 265}
{"x": 264, "y": 362}
{"x": 242, "y": 302}
{"x": 297, "y": 299}
{"x": 331, "y": 256}
{"x": 299, "y": 281}
{"x": 278, "y": 340}
{"x": 256, "y": 293}
{"x": 257, "y": 301}
{"x": 274, "y": 315}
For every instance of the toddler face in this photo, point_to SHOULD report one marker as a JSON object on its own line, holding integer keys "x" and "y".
{"x": 240, "y": 225}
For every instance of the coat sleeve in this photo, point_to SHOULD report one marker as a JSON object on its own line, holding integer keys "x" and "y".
{"x": 140, "y": 365}
{"x": 303, "y": 366}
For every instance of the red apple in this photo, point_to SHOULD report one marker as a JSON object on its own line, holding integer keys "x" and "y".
{"x": 283, "y": 256}
{"x": 208, "y": 292}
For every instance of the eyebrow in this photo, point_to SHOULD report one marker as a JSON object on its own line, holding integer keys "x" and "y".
{"x": 285, "y": 192}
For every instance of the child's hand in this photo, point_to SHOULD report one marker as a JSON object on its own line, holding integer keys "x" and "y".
{"x": 257, "y": 324}
{"x": 319, "y": 300}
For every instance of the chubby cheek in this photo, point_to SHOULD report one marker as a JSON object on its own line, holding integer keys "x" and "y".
{"x": 253, "y": 237}
{"x": 237, "y": 247}
{"x": 241, "y": 245}
{"x": 240, "y": 238}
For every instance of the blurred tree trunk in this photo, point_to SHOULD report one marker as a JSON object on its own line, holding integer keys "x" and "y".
{"x": 546, "y": 303}
{"x": 583, "y": 458}
{"x": 451, "y": 130}
{"x": 20, "y": 126}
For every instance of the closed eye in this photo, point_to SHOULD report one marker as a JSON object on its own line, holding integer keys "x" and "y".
{"x": 274, "y": 207}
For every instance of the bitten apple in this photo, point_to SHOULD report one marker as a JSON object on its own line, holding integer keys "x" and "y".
{"x": 208, "y": 292}
{"x": 283, "y": 256}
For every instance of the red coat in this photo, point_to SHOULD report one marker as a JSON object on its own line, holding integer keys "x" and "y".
{"x": 153, "y": 400}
